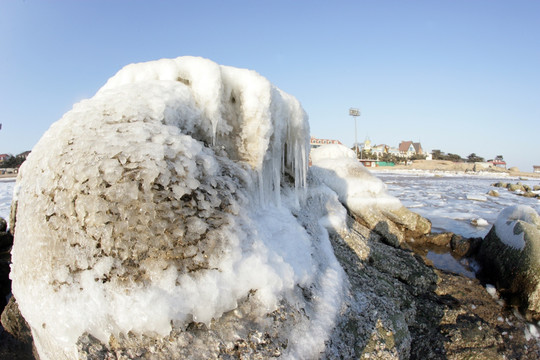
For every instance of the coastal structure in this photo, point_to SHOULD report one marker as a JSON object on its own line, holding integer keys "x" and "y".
{"x": 315, "y": 142}
{"x": 498, "y": 162}
{"x": 380, "y": 150}
{"x": 409, "y": 148}
{"x": 536, "y": 168}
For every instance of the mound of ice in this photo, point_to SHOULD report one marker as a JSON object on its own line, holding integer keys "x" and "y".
{"x": 506, "y": 222}
{"x": 337, "y": 166}
{"x": 479, "y": 222}
{"x": 157, "y": 203}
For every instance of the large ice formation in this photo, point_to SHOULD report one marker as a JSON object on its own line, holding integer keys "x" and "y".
{"x": 338, "y": 168}
{"x": 166, "y": 200}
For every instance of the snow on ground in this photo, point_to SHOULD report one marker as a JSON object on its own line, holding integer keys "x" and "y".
{"x": 454, "y": 202}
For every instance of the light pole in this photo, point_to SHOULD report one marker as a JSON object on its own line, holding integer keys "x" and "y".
{"x": 355, "y": 113}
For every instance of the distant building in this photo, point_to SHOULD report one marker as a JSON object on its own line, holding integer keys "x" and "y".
{"x": 24, "y": 155}
{"x": 536, "y": 168}
{"x": 3, "y": 157}
{"x": 498, "y": 163}
{"x": 315, "y": 143}
{"x": 409, "y": 148}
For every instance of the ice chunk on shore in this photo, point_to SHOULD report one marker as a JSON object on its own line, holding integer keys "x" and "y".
{"x": 476, "y": 197}
{"x": 337, "y": 166}
{"x": 479, "y": 222}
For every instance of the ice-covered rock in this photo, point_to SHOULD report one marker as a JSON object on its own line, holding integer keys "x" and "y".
{"x": 365, "y": 195}
{"x": 164, "y": 204}
{"x": 510, "y": 254}
{"x": 357, "y": 188}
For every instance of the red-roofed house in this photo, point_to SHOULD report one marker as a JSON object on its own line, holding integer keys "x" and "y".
{"x": 409, "y": 148}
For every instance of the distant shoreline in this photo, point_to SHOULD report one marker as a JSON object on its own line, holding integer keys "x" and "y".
{"x": 449, "y": 166}
{"x": 8, "y": 176}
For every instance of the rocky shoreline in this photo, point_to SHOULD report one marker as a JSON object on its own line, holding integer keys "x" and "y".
{"x": 400, "y": 306}
{"x": 465, "y": 168}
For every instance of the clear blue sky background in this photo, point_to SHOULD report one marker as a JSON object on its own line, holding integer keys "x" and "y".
{"x": 461, "y": 76}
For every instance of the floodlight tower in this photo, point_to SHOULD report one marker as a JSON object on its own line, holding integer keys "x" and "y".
{"x": 355, "y": 113}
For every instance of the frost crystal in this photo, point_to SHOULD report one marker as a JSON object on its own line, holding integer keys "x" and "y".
{"x": 158, "y": 203}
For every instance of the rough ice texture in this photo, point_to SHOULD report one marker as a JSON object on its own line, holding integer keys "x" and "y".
{"x": 507, "y": 220}
{"x": 165, "y": 200}
{"x": 338, "y": 168}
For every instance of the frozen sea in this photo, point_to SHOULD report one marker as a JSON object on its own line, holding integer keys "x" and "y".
{"x": 6, "y": 194}
{"x": 451, "y": 201}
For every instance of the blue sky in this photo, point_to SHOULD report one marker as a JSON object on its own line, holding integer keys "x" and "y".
{"x": 458, "y": 76}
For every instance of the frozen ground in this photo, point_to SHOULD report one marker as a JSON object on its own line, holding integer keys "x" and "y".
{"x": 452, "y": 201}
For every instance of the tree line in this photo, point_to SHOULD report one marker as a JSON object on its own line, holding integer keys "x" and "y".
{"x": 436, "y": 155}
{"x": 12, "y": 161}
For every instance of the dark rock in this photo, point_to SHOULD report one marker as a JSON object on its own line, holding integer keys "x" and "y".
{"x": 514, "y": 270}
{"x": 14, "y": 323}
{"x": 413, "y": 311}
{"x": 6, "y": 240}
{"x": 464, "y": 246}
{"x": 5, "y": 281}
{"x": 16, "y": 339}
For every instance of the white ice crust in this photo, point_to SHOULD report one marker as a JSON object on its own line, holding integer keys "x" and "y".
{"x": 356, "y": 187}
{"x": 507, "y": 220}
{"x": 167, "y": 198}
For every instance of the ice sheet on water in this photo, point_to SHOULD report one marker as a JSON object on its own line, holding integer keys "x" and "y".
{"x": 439, "y": 194}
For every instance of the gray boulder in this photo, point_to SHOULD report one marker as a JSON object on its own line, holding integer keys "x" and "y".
{"x": 510, "y": 256}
